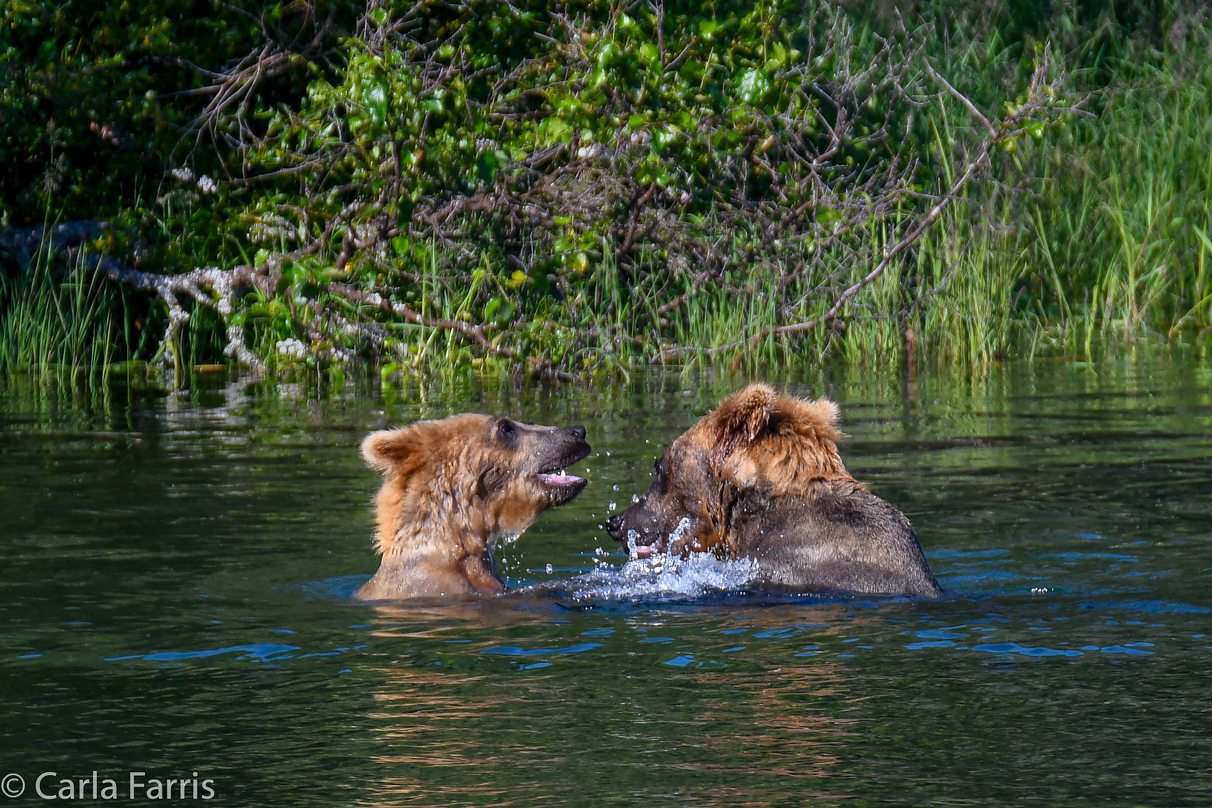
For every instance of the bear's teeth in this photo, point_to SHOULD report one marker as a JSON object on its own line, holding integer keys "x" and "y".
{"x": 558, "y": 478}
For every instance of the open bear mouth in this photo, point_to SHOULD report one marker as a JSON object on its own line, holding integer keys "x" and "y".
{"x": 556, "y": 480}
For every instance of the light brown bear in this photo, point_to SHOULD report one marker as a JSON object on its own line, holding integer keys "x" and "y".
{"x": 451, "y": 489}
{"x": 760, "y": 478}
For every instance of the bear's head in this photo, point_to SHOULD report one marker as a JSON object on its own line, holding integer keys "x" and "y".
{"x": 471, "y": 474}
{"x": 755, "y": 440}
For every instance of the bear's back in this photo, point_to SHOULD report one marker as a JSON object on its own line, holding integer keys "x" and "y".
{"x": 837, "y": 537}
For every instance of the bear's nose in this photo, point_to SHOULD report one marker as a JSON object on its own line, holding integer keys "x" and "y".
{"x": 578, "y": 432}
{"x": 614, "y": 525}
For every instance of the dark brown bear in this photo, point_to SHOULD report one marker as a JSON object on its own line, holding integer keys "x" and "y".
{"x": 760, "y": 478}
{"x": 451, "y": 489}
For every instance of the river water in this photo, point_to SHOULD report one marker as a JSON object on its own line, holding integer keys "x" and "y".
{"x": 174, "y": 573}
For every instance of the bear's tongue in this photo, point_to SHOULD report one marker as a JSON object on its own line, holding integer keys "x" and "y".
{"x": 558, "y": 479}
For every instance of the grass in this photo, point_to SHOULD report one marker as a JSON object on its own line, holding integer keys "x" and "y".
{"x": 59, "y": 322}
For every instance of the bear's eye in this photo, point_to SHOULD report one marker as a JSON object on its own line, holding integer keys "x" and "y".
{"x": 660, "y": 471}
{"x": 505, "y": 429}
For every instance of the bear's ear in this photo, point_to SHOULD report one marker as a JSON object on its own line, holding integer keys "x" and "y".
{"x": 814, "y": 420}
{"x": 742, "y": 417}
{"x": 393, "y": 450}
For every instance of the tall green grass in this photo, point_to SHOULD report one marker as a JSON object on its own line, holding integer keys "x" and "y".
{"x": 59, "y": 321}
{"x": 1130, "y": 219}
{"x": 1101, "y": 231}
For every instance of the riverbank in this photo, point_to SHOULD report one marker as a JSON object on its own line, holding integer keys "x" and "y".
{"x": 581, "y": 195}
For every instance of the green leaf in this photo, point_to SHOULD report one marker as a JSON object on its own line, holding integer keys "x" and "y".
{"x": 753, "y": 86}
{"x": 499, "y": 310}
{"x": 555, "y": 129}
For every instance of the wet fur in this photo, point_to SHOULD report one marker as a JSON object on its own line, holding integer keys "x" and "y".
{"x": 761, "y": 478}
{"x": 451, "y": 488}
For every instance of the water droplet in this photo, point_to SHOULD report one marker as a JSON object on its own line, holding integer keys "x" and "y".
{"x": 679, "y": 532}
{"x": 550, "y": 569}
{"x": 614, "y": 506}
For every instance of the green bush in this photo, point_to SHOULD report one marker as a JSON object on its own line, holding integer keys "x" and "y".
{"x": 583, "y": 185}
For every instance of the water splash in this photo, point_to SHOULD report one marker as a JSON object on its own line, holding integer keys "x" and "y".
{"x": 645, "y": 550}
{"x": 679, "y": 532}
{"x": 506, "y": 539}
{"x": 663, "y": 577}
